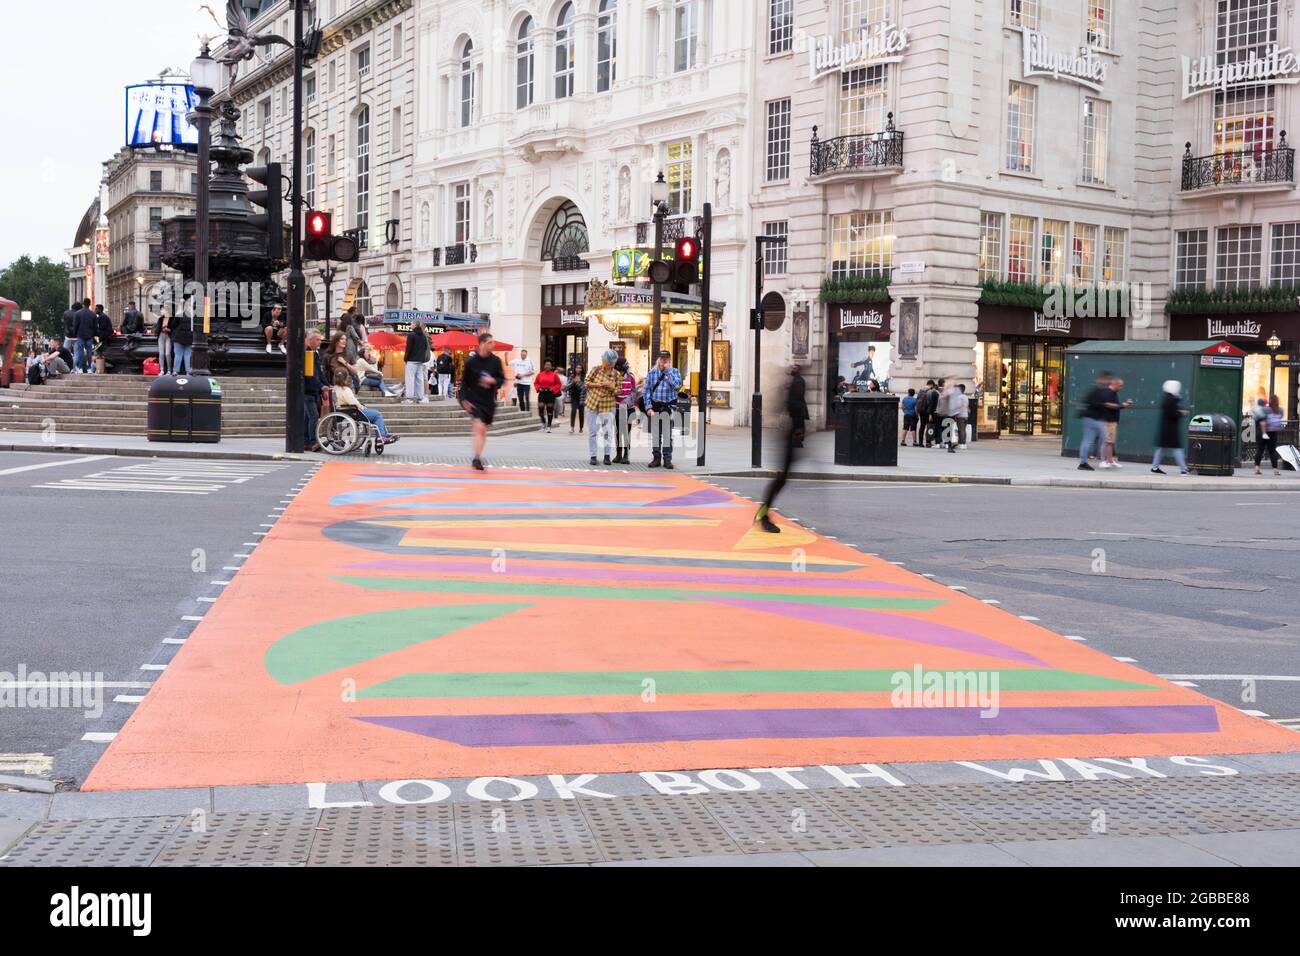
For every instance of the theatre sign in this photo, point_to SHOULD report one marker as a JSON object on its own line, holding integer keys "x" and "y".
{"x": 883, "y": 43}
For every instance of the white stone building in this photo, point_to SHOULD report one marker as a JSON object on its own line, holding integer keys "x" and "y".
{"x": 358, "y": 138}
{"x": 1032, "y": 141}
{"x": 541, "y": 126}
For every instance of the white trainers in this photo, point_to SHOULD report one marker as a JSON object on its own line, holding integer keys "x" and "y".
{"x": 282, "y": 349}
{"x": 268, "y": 348}
{"x": 1104, "y": 464}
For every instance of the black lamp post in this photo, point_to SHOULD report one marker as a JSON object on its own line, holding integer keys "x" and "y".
{"x": 659, "y": 197}
{"x": 1274, "y": 343}
{"x": 327, "y": 275}
{"x": 205, "y": 74}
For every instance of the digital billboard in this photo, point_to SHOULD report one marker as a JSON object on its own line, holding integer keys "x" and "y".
{"x": 156, "y": 115}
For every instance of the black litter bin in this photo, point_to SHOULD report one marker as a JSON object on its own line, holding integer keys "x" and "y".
{"x": 1211, "y": 444}
{"x": 866, "y": 430}
{"x": 185, "y": 408}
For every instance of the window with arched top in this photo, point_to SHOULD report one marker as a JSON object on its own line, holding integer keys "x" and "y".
{"x": 525, "y": 65}
{"x": 309, "y": 169}
{"x": 606, "y": 45}
{"x": 565, "y": 56}
{"x": 426, "y": 221}
{"x": 467, "y": 91}
{"x": 565, "y": 239}
{"x": 393, "y": 298}
{"x": 361, "y": 302}
{"x": 313, "y": 313}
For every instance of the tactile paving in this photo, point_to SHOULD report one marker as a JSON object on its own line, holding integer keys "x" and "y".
{"x": 894, "y": 816}
{"x": 1233, "y": 804}
{"x": 656, "y": 828}
{"x": 781, "y": 822}
{"x": 1066, "y": 811}
{"x": 423, "y": 835}
{"x": 269, "y": 838}
{"x": 523, "y": 833}
{"x": 125, "y": 841}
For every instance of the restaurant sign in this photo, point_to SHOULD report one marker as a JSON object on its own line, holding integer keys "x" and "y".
{"x": 1080, "y": 65}
{"x": 884, "y": 43}
{"x": 1279, "y": 66}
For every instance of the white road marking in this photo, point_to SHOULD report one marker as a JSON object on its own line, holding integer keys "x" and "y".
{"x": 224, "y": 583}
{"x": 181, "y": 640}
{"x": 985, "y": 600}
{"x": 136, "y": 698}
{"x": 98, "y": 738}
{"x": 74, "y": 684}
{"x": 193, "y": 617}
{"x": 1075, "y": 637}
{"x": 951, "y": 587}
{"x": 1127, "y": 660}
{"x": 53, "y": 464}
{"x": 231, "y": 567}
{"x": 208, "y": 600}
{"x": 1207, "y": 677}
{"x": 153, "y": 667}
{"x": 1253, "y": 713}
{"x": 1180, "y": 683}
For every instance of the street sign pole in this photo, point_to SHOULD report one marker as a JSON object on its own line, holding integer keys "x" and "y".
{"x": 294, "y": 438}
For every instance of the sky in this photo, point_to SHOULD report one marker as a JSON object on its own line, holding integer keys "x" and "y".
{"x": 62, "y": 103}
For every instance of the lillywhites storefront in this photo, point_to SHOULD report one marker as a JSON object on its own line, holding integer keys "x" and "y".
{"x": 1020, "y": 366}
{"x": 1267, "y": 369}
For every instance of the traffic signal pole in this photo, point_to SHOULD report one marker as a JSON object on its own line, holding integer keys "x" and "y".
{"x": 706, "y": 258}
{"x": 294, "y": 438}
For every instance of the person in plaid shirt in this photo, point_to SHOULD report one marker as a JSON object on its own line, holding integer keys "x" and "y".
{"x": 602, "y": 398}
{"x": 661, "y": 388}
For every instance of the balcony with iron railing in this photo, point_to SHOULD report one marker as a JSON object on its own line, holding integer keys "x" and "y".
{"x": 1264, "y": 168}
{"x": 676, "y": 227}
{"x": 858, "y": 155}
{"x": 459, "y": 253}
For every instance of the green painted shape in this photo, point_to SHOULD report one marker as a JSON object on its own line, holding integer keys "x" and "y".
{"x": 526, "y": 589}
{"x": 346, "y": 641}
{"x": 610, "y": 683}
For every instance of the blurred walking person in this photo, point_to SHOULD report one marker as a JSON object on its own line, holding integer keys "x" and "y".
{"x": 1267, "y": 430}
{"x": 796, "y": 406}
{"x": 1169, "y": 436}
{"x": 1109, "y": 457}
{"x": 479, "y": 385}
{"x": 1094, "y": 412}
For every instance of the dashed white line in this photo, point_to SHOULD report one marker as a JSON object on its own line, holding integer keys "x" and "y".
{"x": 1185, "y": 683}
{"x": 128, "y": 698}
{"x": 1127, "y": 660}
{"x": 1253, "y": 713}
{"x": 1075, "y": 637}
{"x": 983, "y": 600}
{"x": 153, "y": 667}
{"x": 98, "y": 738}
{"x": 191, "y": 617}
{"x": 173, "y": 640}
{"x": 207, "y": 600}
{"x": 1207, "y": 677}
{"x": 1028, "y": 617}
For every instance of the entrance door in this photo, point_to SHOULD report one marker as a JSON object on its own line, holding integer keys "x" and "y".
{"x": 1021, "y": 397}
{"x": 1052, "y": 414}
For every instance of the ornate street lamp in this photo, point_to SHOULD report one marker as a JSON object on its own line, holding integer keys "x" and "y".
{"x": 1274, "y": 343}
{"x": 205, "y": 74}
{"x": 659, "y": 200}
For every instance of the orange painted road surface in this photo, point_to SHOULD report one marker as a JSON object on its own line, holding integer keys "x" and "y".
{"x": 405, "y": 621}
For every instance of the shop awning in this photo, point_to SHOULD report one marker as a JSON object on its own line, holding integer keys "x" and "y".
{"x": 634, "y": 308}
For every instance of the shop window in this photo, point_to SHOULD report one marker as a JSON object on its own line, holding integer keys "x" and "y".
{"x": 1051, "y": 266}
{"x": 1020, "y": 249}
{"x": 1285, "y": 265}
{"x": 1114, "y": 256}
{"x": 1021, "y": 106}
{"x": 1191, "y": 259}
{"x": 990, "y": 264}
{"x": 1238, "y": 257}
{"x": 1083, "y": 262}
{"x": 862, "y": 243}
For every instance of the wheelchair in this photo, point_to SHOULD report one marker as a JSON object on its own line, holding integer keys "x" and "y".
{"x": 343, "y": 431}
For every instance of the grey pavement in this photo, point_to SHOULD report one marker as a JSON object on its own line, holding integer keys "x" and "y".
{"x": 1014, "y": 461}
{"x": 1248, "y": 819}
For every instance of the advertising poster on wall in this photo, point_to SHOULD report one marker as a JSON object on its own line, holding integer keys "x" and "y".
{"x": 863, "y": 362}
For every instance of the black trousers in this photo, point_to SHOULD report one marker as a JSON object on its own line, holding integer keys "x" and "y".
{"x": 546, "y": 407}
{"x": 577, "y": 415}
{"x": 793, "y": 441}
{"x": 522, "y": 391}
{"x": 1266, "y": 444}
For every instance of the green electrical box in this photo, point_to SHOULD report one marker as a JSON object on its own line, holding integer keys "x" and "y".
{"x": 1211, "y": 372}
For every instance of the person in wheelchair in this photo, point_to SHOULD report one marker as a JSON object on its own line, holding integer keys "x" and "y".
{"x": 345, "y": 398}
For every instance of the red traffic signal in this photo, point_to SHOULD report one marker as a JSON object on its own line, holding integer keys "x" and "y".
{"x": 319, "y": 224}
{"x": 686, "y": 261}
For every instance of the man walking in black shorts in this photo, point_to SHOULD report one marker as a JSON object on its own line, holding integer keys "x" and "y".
{"x": 478, "y": 392}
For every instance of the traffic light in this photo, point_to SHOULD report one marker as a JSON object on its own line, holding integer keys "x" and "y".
{"x": 321, "y": 243}
{"x": 272, "y": 200}
{"x": 686, "y": 262}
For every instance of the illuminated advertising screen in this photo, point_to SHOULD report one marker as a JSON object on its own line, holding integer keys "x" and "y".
{"x": 156, "y": 115}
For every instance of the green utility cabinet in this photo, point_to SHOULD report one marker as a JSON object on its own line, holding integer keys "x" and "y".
{"x": 1211, "y": 372}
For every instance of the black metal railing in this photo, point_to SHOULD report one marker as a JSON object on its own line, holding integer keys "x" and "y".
{"x": 862, "y": 151}
{"x": 674, "y": 229}
{"x": 569, "y": 264}
{"x": 456, "y": 254}
{"x": 437, "y": 256}
{"x": 1263, "y": 164}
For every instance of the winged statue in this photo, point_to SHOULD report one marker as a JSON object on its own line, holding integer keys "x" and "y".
{"x": 241, "y": 41}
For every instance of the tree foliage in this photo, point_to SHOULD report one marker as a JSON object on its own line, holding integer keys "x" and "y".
{"x": 40, "y": 287}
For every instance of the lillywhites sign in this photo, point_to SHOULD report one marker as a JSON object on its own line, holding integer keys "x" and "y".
{"x": 1081, "y": 65}
{"x": 573, "y": 317}
{"x": 1243, "y": 328}
{"x": 884, "y": 43}
{"x": 1044, "y": 323}
{"x": 1279, "y": 65}
{"x": 868, "y": 319}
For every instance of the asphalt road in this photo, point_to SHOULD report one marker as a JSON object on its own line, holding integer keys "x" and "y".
{"x": 1184, "y": 583}
{"x": 99, "y": 571}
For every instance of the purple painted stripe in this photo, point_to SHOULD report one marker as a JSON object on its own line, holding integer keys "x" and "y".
{"x": 484, "y": 566}
{"x": 705, "y": 496}
{"x": 913, "y": 629}
{"x": 639, "y": 727}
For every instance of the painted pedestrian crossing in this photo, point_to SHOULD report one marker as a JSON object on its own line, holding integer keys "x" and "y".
{"x": 173, "y": 477}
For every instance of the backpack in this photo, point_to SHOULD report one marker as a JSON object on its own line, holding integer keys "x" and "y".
{"x": 35, "y": 375}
